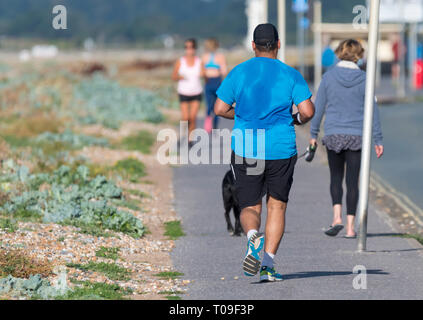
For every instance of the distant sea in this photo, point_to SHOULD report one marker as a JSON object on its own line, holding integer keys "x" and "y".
{"x": 402, "y": 164}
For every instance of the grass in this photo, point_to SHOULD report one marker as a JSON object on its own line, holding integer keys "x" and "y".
{"x": 417, "y": 237}
{"x": 52, "y": 148}
{"x": 15, "y": 141}
{"x": 173, "y": 230}
{"x": 168, "y": 293}
{"x": 8, "y": 225}
{"x": 48, "y": 149}
{"x": 130, "y": 204}
{"x": 25, "y": 215}
{"x": 108, "y": 253}
{"x": 98, "y": 170}
{"x": 142, "y": 141}
{"x": 33, "y": 124}
{"x": 110, "y": 270}
{"x": 138, "y": 193}
{"x": 169, "y": 275}
{"x": 19, "y": 265}
{"x": 90, "y": 229}
{"x": 131, "y": 169}
{"x": 173, "y": 297}
{"x": 85, "y": 290}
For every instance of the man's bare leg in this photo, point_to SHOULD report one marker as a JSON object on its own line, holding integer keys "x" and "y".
{"x": 251, "y": 218}
{"x": 250, "y": 221}
{"x": 275, "y": 225}
{"x": 275, "y": 228}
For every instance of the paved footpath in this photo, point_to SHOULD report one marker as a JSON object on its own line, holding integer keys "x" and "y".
{"x": 314, "y": 266}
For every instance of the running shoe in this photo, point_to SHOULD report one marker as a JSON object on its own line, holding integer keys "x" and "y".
{"x": 251, "y": 264}
{"x": 269, "y": 275}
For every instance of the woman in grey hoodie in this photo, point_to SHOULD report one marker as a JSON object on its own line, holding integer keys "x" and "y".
{"x": 341, "y": 98}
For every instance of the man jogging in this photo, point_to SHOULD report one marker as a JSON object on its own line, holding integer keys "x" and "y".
{"x": 264, "y": 90}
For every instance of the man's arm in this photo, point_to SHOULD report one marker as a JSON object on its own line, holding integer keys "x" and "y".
{"x": 224, "y": 110}
{"x": 306, "y": 111}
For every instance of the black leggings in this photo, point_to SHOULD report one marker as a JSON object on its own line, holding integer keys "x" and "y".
{"x": 337, "y": 167}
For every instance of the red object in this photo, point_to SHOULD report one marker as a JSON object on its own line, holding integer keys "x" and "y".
{"x": 208, "y": 124}
{"x": 418, "y": 74}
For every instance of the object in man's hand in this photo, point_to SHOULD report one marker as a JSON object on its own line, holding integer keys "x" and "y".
{"x": 311, "y": 151}
{"x": 297, "y": 119}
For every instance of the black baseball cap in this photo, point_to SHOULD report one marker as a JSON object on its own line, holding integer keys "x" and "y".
{"x": 266, "y": 35}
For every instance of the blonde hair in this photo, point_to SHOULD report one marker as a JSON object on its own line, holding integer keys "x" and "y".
{"x": 350, "y": 50}
{"x": 211, "y": 44}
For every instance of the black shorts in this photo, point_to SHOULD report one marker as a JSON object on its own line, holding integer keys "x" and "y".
{"x": 274, "y": 179}
{"x": 197, "y": 97}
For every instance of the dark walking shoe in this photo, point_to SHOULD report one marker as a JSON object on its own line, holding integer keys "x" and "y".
{"x": 334, "y": 230}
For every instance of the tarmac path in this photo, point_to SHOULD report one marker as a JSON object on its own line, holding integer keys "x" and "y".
{"x": 314, "y": 265}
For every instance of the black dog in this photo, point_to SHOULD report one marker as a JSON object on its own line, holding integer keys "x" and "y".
{"x": 230, "y": 201}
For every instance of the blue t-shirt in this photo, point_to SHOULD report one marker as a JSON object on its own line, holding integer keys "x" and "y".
{"x": 264, "y": 91}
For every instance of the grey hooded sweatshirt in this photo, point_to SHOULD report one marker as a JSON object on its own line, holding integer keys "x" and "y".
{"x": 341, "y": 97}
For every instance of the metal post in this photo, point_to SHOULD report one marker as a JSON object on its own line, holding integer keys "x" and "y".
{"x": 266, "y": 10}
{"x": 300, "y": 40}
{"x": 402, "y": 75}
{"x": 368, "y": 121}
{"x": 317, "y": 44}
{"x": 412, "y": 53}
{"x": 282, "y": 29}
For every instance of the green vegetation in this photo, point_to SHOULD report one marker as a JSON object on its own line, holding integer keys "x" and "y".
{"x": 17, "y": 264}
{"x": 8, "y": 225}
{"x": 130, "y": 204}
{"x": 173, "y": 298}
{"x": 108, "y": 253}
{"x": 174, "y": 230}
{"x": 15, "y": 141}
{"x": 106, "y": 102}
{"x": 417, "y": 237}
{"x": 138, "y": 193}
{"x": 32, "y": 124}
{"x": 69, "y": 139}
{"x": 131, "y": 169}
{"x": 51, "y": 147}
{"x": 26, "y": 215}
{"x": 69, "y": 196}
{"x": 110, "y": 270}
{"x": 90, "y": 229}
{"x": 85, "y": 290}
{"x": 34, "y": 287}
{"x": 142, "y": 141}
{"x": 169, "y": 275}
